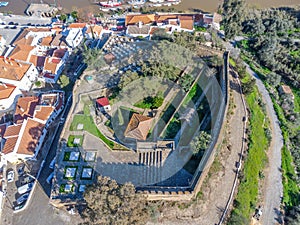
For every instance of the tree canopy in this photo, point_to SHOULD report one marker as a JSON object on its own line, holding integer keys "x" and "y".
{"x": 111, "y": 203}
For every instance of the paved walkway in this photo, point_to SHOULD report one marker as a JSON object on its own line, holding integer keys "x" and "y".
{"x": 273, "y": 185}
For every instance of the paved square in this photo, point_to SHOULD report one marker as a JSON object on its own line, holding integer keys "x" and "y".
{"x": 90, "y": 156}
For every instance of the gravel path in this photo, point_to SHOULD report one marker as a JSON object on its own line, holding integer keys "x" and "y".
{"x": 273, "y": 185}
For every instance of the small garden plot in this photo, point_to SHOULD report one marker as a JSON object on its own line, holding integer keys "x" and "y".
{"x": 75, "y": 140}
{"x": 81, "y": 188}
{"x": 90, "y": 156}
{"x": 72, "y": 156}
{"x": 70, "y": 172}
{"x": 66, "y": 188}
{"x": 87, "y": 173}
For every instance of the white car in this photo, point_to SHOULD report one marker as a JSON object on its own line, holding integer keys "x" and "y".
{"x": 22, "y": 199}
{"x": 10, "y": 176}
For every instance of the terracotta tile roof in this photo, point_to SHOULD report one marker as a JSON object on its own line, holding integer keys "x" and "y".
{"x": 38, "y": 29}
{"x": 186, "y": 22}
{"x": 58, "y": 41}
{"x": 9, "y": 145}
{"x": 21, "y": 52}
{"x": 31, "y": 135}
{"x": 161, "y": 18}
{"x": 138, "y": 127}
{"x": 22, "y": 39}
{"x": 25, "y": 108}
{"x": 37, "y": 61}
{"x": 51, "y": 64}
{"x": 6, "y": 90}
{"x": 57, "y": 29}
{"x": 43, "y": 112}
{"x": 144, "y": 18}
{"x": 59, "y": 53}
{"x": 46, "y": 41}
{"x": 12, "y": 130}
{"x": 77, "y": 25}
{"x": 96, "y": 29}
{"x": 2, "y": 129}
{"x": 102, "y": 101}
{"x": 12, "y": 70}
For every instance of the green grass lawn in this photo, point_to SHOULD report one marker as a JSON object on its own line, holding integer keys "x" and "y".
{"x": 89, "y": 126}
{"x": 193, "y": 95}
{"x": 71, "y": 140}
{"x": 246, "y": 198}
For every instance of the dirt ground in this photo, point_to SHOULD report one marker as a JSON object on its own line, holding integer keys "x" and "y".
{"x": 207, "y": 208}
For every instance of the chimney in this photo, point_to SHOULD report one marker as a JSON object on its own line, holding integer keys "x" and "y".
{"x": 5, "y": 60}
{"x": 20, "y": 65}
{"x": 11, "y": 63}
{"x": 4, "y": 68}
{"x": 140, "y": 24}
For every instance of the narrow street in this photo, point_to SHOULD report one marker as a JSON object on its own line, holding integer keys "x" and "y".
{"x": 273, "y": 189}
{"x": 39, "y": 208}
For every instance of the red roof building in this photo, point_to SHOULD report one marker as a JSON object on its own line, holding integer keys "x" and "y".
{"x": 103, "y": 104}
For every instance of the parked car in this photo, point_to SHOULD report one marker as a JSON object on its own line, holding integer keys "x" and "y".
{"x": 10, "y": 176}
{"x": 25, "y": 188}
{"x": 52, "y": 164}
{"x": 22, "y": 199}
{"x": 19, "y": 207}
{"x": 50, "y": 177}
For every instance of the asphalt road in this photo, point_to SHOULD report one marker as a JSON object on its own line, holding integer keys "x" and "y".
{"x": 273, "y": 188}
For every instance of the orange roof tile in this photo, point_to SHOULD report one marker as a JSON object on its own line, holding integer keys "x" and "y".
{"x": 30, "y": 137}
{"x": 138, "y": 127}
{"x": 6, "y": 90}
{"x": 12, "y": 70}
{"x": 21, "y": 52}
{"x": 37, "y": 61}
{"x": 43, "y": 112}
{"x": 51, "y": 64}
{"x": 162, "y": 18}
{"x": 59, "y": 53}
{"x": 9, "y": 145}
{"x": 22, "y": 39}
{"x": 95, "y": 28}
{"x": 77, "y": 25}
{"x": 186, "y": 22}
{"x": 25, "y": 108}
{"x": 144, "y": 18}
{"x": 12, "y": 130}
{"x": 46, "y": 41}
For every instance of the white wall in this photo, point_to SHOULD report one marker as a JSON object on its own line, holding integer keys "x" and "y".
{"x": 8, "y": 102}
